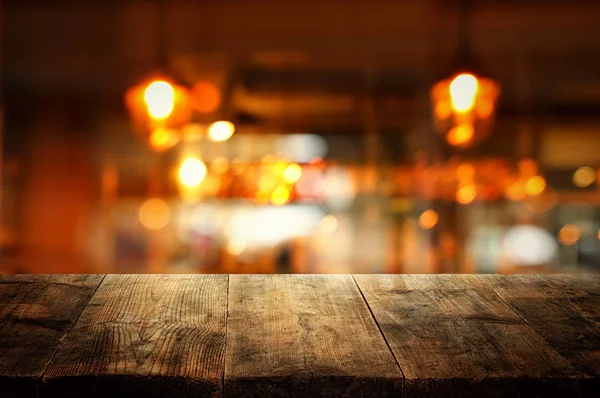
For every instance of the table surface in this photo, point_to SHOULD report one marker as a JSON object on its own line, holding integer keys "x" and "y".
{"x": 299, "y": 335}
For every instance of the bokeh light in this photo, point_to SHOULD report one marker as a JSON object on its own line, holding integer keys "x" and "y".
{"x": 162, "y": 139}
{"x": 159, "y": 97}
{"x": 236, "y": 246}
{"x": 466, "y": 194}
{"x": 569, "y": 234}
{"x": 528, "y": 245}
{"x": 280, "y": 195}
{"x": 154, "y": 214}
{"x": 292, "y": 173}
{"x": 460, "y": 135}
{"x": 535, "y": 185}
{"x": 221, "y": 131}
{"x": 428, "y": 219}
{"x": 205, "y": 97}
{"x": 192, "y": 172}
{"x": 584, "y": 177}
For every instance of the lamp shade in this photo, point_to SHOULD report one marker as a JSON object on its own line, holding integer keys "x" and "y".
{"x": 464, "y": 106}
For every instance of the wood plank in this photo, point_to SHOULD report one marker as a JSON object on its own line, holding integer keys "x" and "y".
{"x": 36, "y": 312}
{"x": 304, "y": 336}
{"x": 145, "y": 335}
{"x": 565, "y": 311}
{"x": 453, "y": 336}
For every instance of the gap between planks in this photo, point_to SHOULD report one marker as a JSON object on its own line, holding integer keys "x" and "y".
{"x": 382, "y": 335}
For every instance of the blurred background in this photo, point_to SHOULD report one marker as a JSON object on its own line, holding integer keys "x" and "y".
{"x": 329, "y": 136}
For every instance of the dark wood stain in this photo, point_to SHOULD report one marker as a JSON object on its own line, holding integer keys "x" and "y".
{"x": 299, "y": 335}
{"x": 36, "y": 312}
{"x": 304, "y": 336}
{"x": 453, "y": 336}
{"x": 146, "y": 335}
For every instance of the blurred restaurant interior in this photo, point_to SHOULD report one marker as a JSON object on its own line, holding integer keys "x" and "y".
{"x": 300, "y": 136}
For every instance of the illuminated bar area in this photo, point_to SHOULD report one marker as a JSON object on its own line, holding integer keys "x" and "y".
{"x": 171, "y": 144}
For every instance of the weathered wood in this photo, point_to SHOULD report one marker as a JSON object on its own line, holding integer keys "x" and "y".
{"x": 565, "y": 311}
{"x": 36, "y": 312}
{"x": 304, "y": 336}
{"x": 453, "y": 336}
{"x": 145, "y": 335}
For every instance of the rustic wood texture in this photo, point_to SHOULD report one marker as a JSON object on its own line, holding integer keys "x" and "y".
{"x": 565, "y": 311}
{"x": 145, "y": 335}
{"x": 36, "y": 312}
{"x": 453, "y": 336}
{"x": 304, "y": 336}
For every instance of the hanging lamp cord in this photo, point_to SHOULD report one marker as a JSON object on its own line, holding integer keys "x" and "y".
{"x": 162, "y": 37}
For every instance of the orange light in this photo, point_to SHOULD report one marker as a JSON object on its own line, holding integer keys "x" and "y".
{"x": 535, "y": 186}
{"x": 162, "y": 139}
{"x": 466, "y": 194}
{"x": 292, "y": 173}
{"x": 280, "y": 196}
{"x": 465, "y": 171}
{"x": 515, "y": 191}
{"x": 569, "y": 234}
{"x": 160, "y": 99}
{"x": 205, "y": 97}
{"x": 158, "y": 103}
{"x": 463, "y": 90}
{"x": 460, "y": 135}
{"x": 221, "y": 131}
{"x": 154, "y": 214}
{"x": 428, "y": 219}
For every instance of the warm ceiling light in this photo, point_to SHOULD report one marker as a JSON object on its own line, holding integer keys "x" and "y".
{"x": 463, "y": 107}
{"x": 158, "y": 103}
{"x": 160, "y": 99}
{"x": 462, "y": 92}
{"x": 584, "y": 177}
{"x": 221, "y": 131}
{"x": 192, "y": 172}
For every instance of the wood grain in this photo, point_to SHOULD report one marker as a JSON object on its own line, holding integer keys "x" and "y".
{"x": 565, "y": 311}
{"x": 36, "y": 312}
{"x": 145, "y": 335}
{"x": 304, "y": 336}
{"x": 453, "y": 336}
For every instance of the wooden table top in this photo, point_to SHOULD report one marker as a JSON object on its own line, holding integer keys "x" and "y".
{"x": 299, "y": 335}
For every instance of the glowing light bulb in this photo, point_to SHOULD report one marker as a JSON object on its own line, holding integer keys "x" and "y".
{"x": 154, "y": 214}
{"x": 221, "y": 131}
{"x": 292, "y": 173}
{"x": 462, "y": 92}
{"x": 192, "y": 172}
{"x": 159, "y": 97}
